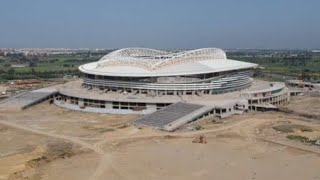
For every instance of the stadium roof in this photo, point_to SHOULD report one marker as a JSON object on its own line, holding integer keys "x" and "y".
{"x": 143, "y": 62}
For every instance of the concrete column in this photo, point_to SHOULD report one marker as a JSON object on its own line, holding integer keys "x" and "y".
{"x": 68, "y": 100}
{"x": 108, "y": 105}
{"x": 134, "y": 91}
{"x": 151, "y": 107}
{"x": 81, "y": 102}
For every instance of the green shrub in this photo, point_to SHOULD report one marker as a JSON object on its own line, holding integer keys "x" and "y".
{"x": 198, "y": 127}
{"x": 289, "y": 128}
{"x": 302, "y": 139}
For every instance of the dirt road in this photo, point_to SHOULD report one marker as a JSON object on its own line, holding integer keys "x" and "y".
{"x": 246, "y": 128}
{"x": 58, "y": 136}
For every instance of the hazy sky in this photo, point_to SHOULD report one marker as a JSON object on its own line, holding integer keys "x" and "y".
{"x": 160, "y": 23}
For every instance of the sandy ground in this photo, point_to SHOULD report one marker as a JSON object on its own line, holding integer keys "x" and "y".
{"x": 49, "y": 118}
{"x": 17, "y": 147}
{"x": 221, "y": 158}
{"x": 46, "y": 142}
{"x": 3, "y": 87}
{"x": 305, "y": 105}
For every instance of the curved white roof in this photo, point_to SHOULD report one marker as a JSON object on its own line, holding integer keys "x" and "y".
{"x": 143, "y": 62}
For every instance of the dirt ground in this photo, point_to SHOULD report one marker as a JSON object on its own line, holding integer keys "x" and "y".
{"x": 305, "y": 105}
{"x": 52, "y": 119}
{"x": 47, "y": 142}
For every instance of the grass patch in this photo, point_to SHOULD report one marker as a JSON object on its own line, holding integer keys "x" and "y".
{"x": 217, "y": 121}
{"x": 123, "y": 126}
{"x": 304, "y": 139}
{"x": 3, "y": 129}
{"x": 198, "y": 127}
{"x": 98, "y": 129}
{"x": 103, "y": 130}
{"x": 290, "y": 128}
{"x": 38, "y": 159}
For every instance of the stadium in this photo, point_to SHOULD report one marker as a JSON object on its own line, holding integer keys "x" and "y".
{"x": 158, "y": 73}
{"x": 142, "y": 81}
{"x": 170, "y": 88}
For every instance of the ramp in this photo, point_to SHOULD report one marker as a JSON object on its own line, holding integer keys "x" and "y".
{"x": 27, "y": 99}
{"x": 165, "y": 117}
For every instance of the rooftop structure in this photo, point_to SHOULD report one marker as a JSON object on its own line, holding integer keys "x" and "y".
{"x": 142, "y": 62}
{"x": 158, "y": 73}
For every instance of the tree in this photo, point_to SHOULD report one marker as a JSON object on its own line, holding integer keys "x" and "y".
{"x": 33, "y": 72}
{"x": 32, "y": 64}
{"x": 7, "y": 65}
{"x": 11, "y": 71}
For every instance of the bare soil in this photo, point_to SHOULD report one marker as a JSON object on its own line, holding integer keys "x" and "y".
{"x": 308, "y": 106}
{"x": 47, "y": 142}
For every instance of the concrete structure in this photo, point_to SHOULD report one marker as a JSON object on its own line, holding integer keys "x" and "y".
{"x": 158, "y": 73}
{"x": 142, "y": 81}
{"x": 196, "y": 84}
{"x": 297, "y": 87}
{"x": 302, "y": 84}
{"x": 28, "y": 99}
{"x": 276, "y": 95}
{"x": 166, "y": 116}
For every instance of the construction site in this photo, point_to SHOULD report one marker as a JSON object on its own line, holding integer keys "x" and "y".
{"x": 218, "y": 124}
{"x": 44, "y": 141}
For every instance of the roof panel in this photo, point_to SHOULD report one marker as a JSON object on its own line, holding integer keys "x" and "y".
{"x": 143, "y": 62}
{"x": 199, "y": 67}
